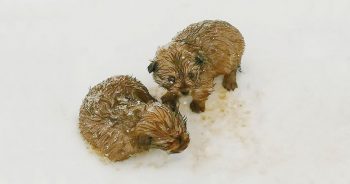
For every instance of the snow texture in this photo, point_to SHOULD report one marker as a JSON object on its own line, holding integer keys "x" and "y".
{"x": 288, "y": 122}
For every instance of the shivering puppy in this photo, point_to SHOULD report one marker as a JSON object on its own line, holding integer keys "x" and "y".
{"x": 191, "y": 61}
{"x": 119, "y": 118}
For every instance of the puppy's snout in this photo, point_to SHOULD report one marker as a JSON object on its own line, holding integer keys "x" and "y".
{"x": 184, "y": 91}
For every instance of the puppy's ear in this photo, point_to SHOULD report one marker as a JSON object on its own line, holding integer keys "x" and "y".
{"x": 152, "y": 66}
{"x": 199, "y": 60}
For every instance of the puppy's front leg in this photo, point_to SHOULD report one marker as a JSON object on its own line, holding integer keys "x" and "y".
{"x": 200, "y": 96}
{"x": 170, "y": 99}
{"x": 197, "y": 106}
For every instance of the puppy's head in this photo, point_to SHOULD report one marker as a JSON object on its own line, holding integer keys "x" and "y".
{"x": 164, "y": 129}
{"x": 176, "y": 68}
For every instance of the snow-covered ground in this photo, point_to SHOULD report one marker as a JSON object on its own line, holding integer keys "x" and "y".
{"x": 288, "y": 122}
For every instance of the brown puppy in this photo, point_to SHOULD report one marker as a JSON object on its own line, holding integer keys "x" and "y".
{"x": 194, "y": 58}
{"x": 120, "y": 118}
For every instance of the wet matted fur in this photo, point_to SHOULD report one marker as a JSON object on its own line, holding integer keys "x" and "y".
{"x": 191, "y": 61}
{"x": 119, "y": 118}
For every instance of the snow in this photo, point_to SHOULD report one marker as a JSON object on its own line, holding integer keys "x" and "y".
{"x": 288, "y": 122}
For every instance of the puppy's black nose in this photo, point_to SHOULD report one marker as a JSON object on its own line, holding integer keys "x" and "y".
{"x": 184, "y": 91}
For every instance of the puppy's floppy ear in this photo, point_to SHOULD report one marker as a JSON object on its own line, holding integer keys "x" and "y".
{"x": 199, "y": 60}
{"x": 152, "y": 66}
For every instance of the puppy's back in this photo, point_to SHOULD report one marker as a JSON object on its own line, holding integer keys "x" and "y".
{"x": 218, "y": 41}
{"x": 108, "y": 113}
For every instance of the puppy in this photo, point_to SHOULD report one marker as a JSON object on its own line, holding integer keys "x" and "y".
{"x": 191, "y": 61}
{"x": 119, "y": 118}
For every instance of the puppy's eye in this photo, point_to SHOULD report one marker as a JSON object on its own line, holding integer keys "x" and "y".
{"x": 171, "y": 79}
{"x": 191, "y": 75}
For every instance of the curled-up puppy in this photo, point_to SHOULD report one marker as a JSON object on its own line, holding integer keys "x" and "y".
{"x": 119, "y": 118}
{"x": 191, "y": 61}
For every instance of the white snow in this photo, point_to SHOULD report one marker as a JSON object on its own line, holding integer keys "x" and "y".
{"x": 288, "y": 122}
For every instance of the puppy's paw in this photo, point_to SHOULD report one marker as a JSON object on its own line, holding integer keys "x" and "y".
{"x": 197, "y": 106}
{"x": 170, "y": 100}
{"x": 229, "y": 84}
